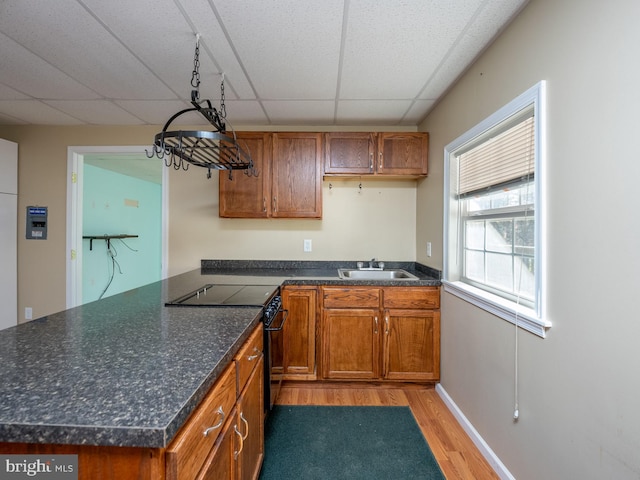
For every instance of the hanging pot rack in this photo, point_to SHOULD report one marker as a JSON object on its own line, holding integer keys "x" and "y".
{"x": 213, "y": 150}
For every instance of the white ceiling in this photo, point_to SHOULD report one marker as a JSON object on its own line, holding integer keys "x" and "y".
{"x": 293, "y": 62}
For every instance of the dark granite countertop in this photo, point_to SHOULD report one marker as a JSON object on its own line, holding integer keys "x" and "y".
{"x": 127, "y": 370}
{"x": 318, "y": 272}
{"x": 122, "y": 371}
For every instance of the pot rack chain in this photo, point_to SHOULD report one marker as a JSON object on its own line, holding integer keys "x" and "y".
{"x": 214, "y": 150}
{"x": 195, "y": 74}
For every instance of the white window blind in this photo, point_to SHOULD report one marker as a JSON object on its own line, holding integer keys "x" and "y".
{"x": 499, "y": 157}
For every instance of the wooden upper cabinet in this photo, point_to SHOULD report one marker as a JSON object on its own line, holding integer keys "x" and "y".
{"x": 349, "y": 153}
{"x": 289, "y": 181}
{"x": 392, "y": 153}
{"x": 297, "y": 175}
{"x": 403, "y": 153}
{"x": 245, "y": 196}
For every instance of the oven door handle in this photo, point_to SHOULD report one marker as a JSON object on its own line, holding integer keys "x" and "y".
{"x": 277, "y": 329}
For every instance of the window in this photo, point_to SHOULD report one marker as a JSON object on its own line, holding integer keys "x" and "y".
{"x": 493, "y": 213}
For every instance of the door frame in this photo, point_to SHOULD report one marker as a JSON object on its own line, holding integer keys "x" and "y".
{"x": 73, "y": 252}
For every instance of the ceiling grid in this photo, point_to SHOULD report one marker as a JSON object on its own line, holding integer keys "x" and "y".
{"x": 285, "y": 62}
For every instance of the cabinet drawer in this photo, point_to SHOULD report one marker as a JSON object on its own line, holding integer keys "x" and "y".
{"x": 247, "y": 358}
{"x": 412, "y": 297}
{"x": 187, "y": 453}
{"x": 351, "y": 297}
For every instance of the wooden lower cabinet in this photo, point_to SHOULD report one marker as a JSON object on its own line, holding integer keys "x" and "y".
{"x": 351, "y": 343}
{"x": 397, "y": 337}
{"x": 410, "y": 338}
{"x": 239, "y": 451}
{"x": 221, "y": 462}
{"x": 239, "y": 436}
{"x": 249, "y": 450}
{"x": 296, "y": 343}
{"x": 223, "y": 439}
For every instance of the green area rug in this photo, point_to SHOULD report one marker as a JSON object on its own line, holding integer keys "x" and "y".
{"x": 308, "y": 442}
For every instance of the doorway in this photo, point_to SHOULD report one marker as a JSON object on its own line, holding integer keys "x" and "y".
{"x": 117, "y": 166}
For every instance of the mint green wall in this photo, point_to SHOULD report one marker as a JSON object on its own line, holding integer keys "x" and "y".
{"x": 107, "y": 209}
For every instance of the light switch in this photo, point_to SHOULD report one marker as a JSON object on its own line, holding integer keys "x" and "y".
{"x": 428, "y": 249}
{"x": 307, "y": 245}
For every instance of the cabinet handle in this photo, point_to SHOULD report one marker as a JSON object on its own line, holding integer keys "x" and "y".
{"x": 237, "y": 452}
{"x": 246, "y": 425}
{"x": 371, "y": 162}
{"x": 217, "y": 425}
{"x": 264, "y": 204}
{"x": 380, "y": 161}
{"x": 275, "y": 204}
{"x": 375, "y": 319}
{"x": 251, "y": 358}
{"x": 386, "y": 324}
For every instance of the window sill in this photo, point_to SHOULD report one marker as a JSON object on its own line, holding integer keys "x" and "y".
{"x": 526, "y": 317}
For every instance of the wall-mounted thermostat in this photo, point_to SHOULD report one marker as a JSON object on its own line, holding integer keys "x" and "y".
{"x": 36, "y": 223}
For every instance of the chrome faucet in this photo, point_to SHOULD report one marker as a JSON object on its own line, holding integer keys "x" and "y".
{"x": 372, "y": 262}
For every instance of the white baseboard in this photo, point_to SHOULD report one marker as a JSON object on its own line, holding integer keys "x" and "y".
{"x": 479, "y": 442}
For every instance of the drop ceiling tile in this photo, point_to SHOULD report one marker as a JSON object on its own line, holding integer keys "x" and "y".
{"x": 83, "y": 49}
{"x": 289, "y": 52}
{"x": 9, "y": 120}
{"x": 308, "y": 112}
{"x": 165, "y": 42}
{"x": 36, "y": 113}
{"x": 485, "y": 26}
{"x": 153, "y": 112}
{"x": 391, "y": 47}
{"x": 8, "y": 93}
{"x": 417, "y": 112}
{"x": 245, "y": 112}
{"x": 29, "y": 74}
{"x": 95, "y": 112}
{"x": 371, "y": 112}
{"x": 217, "y": 54}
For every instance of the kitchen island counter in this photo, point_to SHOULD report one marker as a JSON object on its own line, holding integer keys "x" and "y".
{"x": 121, "y": 371}
{"x": 128, "y": 370}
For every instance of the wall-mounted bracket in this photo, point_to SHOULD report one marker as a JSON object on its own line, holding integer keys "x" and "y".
{"x": 107, "y": 238}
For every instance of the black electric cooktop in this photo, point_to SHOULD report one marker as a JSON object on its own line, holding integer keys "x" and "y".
{"x": 213, "y": 295}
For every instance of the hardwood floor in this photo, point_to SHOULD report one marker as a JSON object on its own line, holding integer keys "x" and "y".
{"x": 456, "y": 454}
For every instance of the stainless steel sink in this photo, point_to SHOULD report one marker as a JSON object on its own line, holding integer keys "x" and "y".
{"x": 375, "y": 274}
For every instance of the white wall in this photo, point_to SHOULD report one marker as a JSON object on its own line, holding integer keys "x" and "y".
{"x": 377, "y": 220}
{"x": 579, "y": 387}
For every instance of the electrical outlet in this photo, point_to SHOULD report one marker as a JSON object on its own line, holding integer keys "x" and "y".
{"x": 28, "y": 313}
{"x": 428, "y": 249}
{"x": 307, "y": 245}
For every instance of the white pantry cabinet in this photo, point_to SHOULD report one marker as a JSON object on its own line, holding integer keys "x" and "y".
{"x": 8, "y": 234}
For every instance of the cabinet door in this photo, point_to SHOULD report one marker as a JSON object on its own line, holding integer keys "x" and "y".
{"x": 349, "y": 153}
{"x": 402, "y": 153}
{"x": 188, "y": 451}
{"x": 411, "y": 350}
{"x": 246, "y": 196}
{"x": 299, "y": 332}
{"x": 351, "y": 343}
{"x": 221, "y": 463}
{"x": 297, "y": 175}
{"x": 251, "y": 425}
